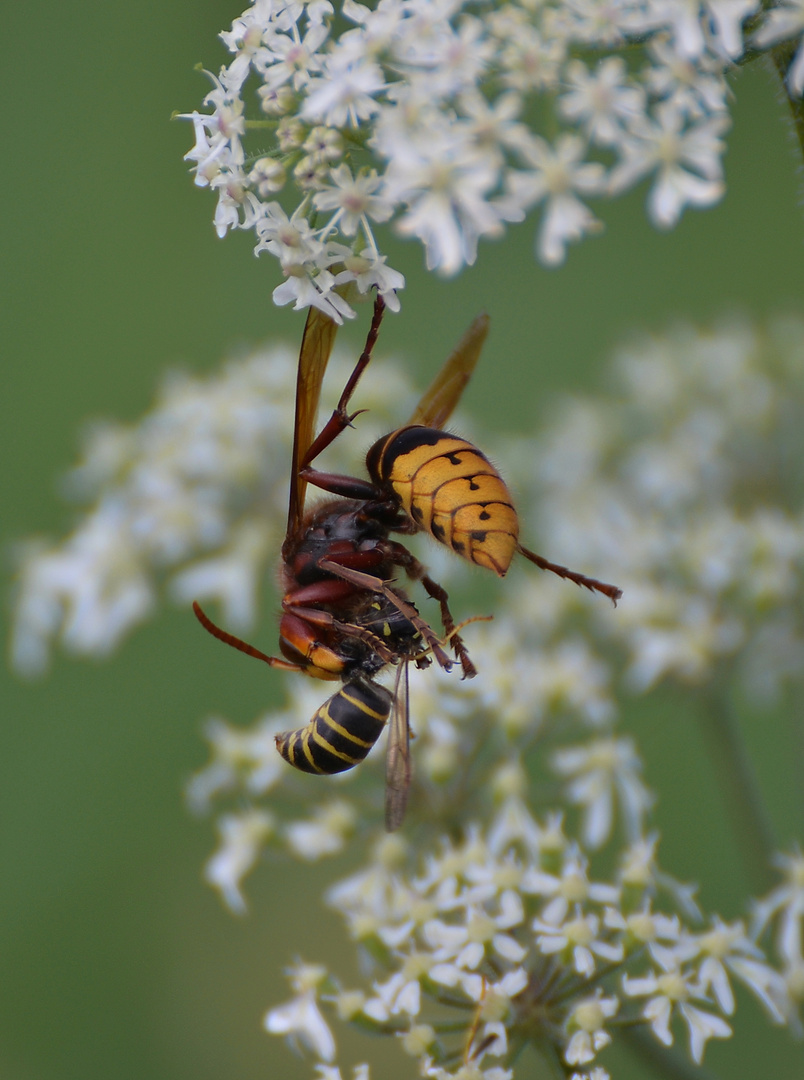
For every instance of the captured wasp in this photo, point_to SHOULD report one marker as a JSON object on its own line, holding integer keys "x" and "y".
{"x": 341, "y": 618}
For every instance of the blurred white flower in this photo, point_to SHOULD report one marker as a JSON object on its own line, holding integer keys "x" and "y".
{"x": 301, "y": 1019}
{"x": 784, "y": 906}
{"x": 685, "y": 490}
{"x": 687, "y": 160}
{"x": 600, "y": 771}
{"x": 325, "y": 833}
{"x": 242, "y": 839}
{"x": 727, "y": 950}
{"x": 784, "y": 21}
{"x": 332, "y": 1072}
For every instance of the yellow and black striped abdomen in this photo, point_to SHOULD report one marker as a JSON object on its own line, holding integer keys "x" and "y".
{"x": 342, "y": 731}
{"x": 451, "y": 490}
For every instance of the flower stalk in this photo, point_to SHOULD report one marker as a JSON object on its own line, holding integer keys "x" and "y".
{"x": 742, "y": 795}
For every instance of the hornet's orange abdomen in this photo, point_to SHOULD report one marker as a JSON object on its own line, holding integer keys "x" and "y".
{"x": 451, "y": 490}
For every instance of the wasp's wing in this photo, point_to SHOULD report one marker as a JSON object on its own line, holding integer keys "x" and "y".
{"x": 397, "y": 762}
{"x": 440, "y": 399}
{"x": 316, "y": 346}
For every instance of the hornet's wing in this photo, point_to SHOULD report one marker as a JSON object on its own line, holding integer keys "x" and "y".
{"x": 316, "y": 346}
{"x": 440, "y": 399}
{"x": 397, "y": 762}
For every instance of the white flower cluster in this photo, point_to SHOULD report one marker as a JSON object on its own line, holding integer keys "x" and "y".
{"x": 687, "y": 488}
{"x": 502, "y": 939}
{"x": 432, "y": 114}
{"x": 192, "y": 499}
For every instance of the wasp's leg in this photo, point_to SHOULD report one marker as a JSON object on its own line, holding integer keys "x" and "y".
{"x": 592, "y": 584}
{"x": 375, "y": 584}
{"x": 341, "y": 419}
{"x": 439, "y": 593}
{"x": 314, "y": 617}
{"x": 351, "y": 487}
{"x": 417, "y": 572}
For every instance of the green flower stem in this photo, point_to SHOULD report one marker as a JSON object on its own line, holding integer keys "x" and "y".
{"x": 559, "y": 1069}
{"x": 781, "y": 56}
{"x": 794, "y": 709}
{"x": 741, "y": 792}
{"x": 578, "y": 987}
{"x": 664, "y": 1061}
{"x": 449, "y": 1027}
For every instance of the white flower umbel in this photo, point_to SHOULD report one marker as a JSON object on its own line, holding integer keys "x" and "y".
{"x": 457, "y": 974}
{"x": 414, "y": 112}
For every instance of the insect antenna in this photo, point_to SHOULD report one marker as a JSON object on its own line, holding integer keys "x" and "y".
{"x": 238, "y": 643}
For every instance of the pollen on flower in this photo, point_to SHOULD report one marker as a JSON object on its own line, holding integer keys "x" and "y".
{"x": 418, "y": 1040}
{"x": 673, "y": 986}
{"x": 349, "y": 1004}
{"x": 574, "y": 887}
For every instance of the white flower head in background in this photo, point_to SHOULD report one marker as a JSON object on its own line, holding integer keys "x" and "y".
{"x": 688, "y": 490}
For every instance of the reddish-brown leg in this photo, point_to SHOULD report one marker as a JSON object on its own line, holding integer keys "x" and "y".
{"x": 592, "y": 584}
{"x": 340, "y": 419}
{"x": 377, "y": 585}
{"x": 417, "y": 572}
{"x": 315, "y": 618}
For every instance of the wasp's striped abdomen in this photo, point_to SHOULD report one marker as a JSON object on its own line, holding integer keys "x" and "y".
{"x": 342, "y": 731}
{"x": 451, "y": 490}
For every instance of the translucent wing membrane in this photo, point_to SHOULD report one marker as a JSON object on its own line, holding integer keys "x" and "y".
{"x": 316, "y": 348}
{"x": 439, "y": 400}
{"x": 397, "y": 763}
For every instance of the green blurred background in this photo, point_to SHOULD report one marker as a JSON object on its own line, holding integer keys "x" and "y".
{"x": 117, "y": 961}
